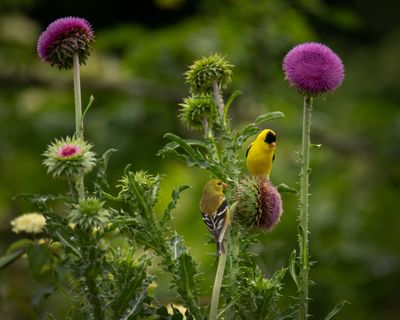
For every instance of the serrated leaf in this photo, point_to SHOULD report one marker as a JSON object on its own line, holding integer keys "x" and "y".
{"x": 40, "y": 259}
{"x": 68, "y": 244}
{"x": 135, "y": 304}
{"x": 229, "y": 102}
{"x": 110, "y": 196}
{"x": 177, "y": 246}
{"x": 172, "y": 204}
{"x": 102, "y": 164}
{"x": 292, "y": 267}
{"x": 336, "y": 309}
{"x": 181, "y": 142}
{"x": 139, "y": 196}
{"x": 38, "y": 198}
{"x": 269, "y": 116}
{"x": 187, "y": 271}
{"x": 10, "y": 258}
{"x": 285, "y": 188}
{"x": 18, "y": 245}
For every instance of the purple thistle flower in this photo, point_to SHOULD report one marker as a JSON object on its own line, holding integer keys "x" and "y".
{"x": 62, "y": 38}
{"x": 68, "y": 150}
{"x": 313, "y": 68}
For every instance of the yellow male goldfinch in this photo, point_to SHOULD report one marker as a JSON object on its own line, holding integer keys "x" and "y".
{"x": 261, "y": 153}
{"x": 215, "y": 212}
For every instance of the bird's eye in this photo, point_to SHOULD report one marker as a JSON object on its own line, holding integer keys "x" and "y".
{"x": 270, "y": 138}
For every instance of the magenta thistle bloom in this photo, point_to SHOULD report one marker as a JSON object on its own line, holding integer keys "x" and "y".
{"x": 313, "y": 68}
{"x": 62, "y": 38}
{"x": 68, "y": 150}
{"x": 69, "y": 157}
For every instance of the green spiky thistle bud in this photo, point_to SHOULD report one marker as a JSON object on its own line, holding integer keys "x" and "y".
{"x": 69, "y": 157}
{"x": 203, "y": 72}
{"x": 89, "y": 215}
{"x": 147, "y": 183}
{"x": 198, "y": 111}
{"x": 259, "y": 203}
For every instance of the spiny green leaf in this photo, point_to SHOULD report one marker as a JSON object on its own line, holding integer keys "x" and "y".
{"x": 181, "y": 142}
{"x": 292, "y": 267}
{"x": 10, "y": 258}
{"x": 177, "y": 246}
{"x": 171, "y": 206}
{"x": 19, "y": 244}
{"x": 336, "y": 309}
{"x": 40, "y": 259}
{"x": 269, "y": 116}
{"x": 139, "y": 195}
{"x": 101, "y": 177}
{"x": 229, "y": 102}
{"x": 285, "y": 188}
{"x": 68, "y": 244}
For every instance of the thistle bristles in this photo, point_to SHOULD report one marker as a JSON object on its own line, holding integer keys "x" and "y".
{"x": 313, "y": 69}
{"x": 197, "y": 111}
{"x": 89, "y": 215}
{"x": 69, "y": 158}
{"x": 62, "y": 38}
{"x": 259, "y": 203}
{"x": 205, "y": 71}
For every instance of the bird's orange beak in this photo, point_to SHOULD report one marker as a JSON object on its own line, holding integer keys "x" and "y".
{"x": 273, "y": 144}
{"x": 224, "y": 185}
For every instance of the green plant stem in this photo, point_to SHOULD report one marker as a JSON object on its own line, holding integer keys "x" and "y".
{"x": 303, "y": 215}
{"x": 217, "y": 285}
{"x": 77, "y": 95}
{"x": 218, "y": 99}
{"x": 78, "y": 115}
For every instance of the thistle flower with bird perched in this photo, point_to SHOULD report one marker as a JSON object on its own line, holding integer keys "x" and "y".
{"x": 215, "y": 212}
{"x": 261, "y": 153}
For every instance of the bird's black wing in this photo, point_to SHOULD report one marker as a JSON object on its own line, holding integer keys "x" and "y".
{"x": 215, "y": 223}
{"x": 248, "y": 149}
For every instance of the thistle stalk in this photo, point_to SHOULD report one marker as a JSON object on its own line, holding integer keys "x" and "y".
{"x": 217, "y": 285}
{"x": 218, "y": 99}
{"x": 78, "y": 114}
{"x": 303, "y": 214}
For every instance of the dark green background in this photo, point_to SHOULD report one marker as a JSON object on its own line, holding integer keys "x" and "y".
{"x": 136, "y": 77}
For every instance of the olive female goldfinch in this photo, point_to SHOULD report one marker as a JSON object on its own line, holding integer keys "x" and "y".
{"x": 215, "y": 212}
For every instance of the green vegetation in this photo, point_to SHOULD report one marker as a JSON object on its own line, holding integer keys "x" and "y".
{"x": 136, "y": 76}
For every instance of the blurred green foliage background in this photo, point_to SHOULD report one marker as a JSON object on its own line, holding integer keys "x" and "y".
{"x": 136, "y": 77}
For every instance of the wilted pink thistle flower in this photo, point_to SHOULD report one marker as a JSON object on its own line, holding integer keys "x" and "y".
{"x": 313, "y": 68}
{"x": 69, "y": 150}
{"x": 62, "y": 38}
{"x": 270, "y": 205}
{"x": 259, "y": 203}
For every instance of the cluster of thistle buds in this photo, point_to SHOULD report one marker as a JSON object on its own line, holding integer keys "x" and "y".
{"x": 207, "y": 78}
